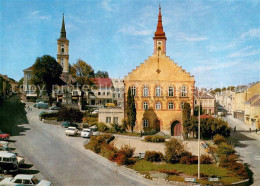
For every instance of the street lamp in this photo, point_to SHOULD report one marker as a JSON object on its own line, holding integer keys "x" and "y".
{"x": 198, "y": 99}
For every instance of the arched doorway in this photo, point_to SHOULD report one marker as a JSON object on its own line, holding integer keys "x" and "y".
{"x": 176, "y": 128}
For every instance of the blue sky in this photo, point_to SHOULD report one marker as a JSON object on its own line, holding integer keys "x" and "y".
{"x": 216, "y": 41}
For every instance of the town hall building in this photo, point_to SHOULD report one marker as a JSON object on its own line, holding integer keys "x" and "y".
{"x": 161, "y": 88}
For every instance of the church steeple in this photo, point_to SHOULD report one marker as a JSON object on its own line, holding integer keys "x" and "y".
{"x": 63, "y": 49}
{"x": 159, "y": 36}
{"x": 63, "y": 30}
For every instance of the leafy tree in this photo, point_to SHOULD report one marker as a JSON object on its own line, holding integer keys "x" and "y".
{"x": 224, "y": 89}
{"x": 232, "y": 88}
{"x": 217, "y": 90}
{"x": 131, "y": 110}
{"x": 174, "y": 149}
{"x": 46, "y": 72}
{"x": 186, "y": 114}
{"x": 20, "y": 82}
{"x": 70, "y": 114}
{"x": 101, "y": 74}
{"x": 83, "y": 73}
{"x": 196, "y": 110}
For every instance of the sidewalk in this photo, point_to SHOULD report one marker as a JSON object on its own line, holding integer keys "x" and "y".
{"x": 241, "y": 126}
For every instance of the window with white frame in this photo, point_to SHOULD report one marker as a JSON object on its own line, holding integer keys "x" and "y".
{"x": 145, "y": 123}
{"x": 146, "y": 91}
{"x": 182, "y": 105}
{"x": 158, "y": 106}
{"x": 170, "y": 106}
{"x": 115, "y": 120}
{"x": 158, "y": 91}
{"x": 145, "y": 105}
{"x": 133, "y": 90}
{"x": 171, "y": 92}
{"x": 184, "y": 91}
{"x": 108, "y": 119}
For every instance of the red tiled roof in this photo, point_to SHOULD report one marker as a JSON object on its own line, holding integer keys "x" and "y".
{"x": 103, "y": 82}
{"x": 205, "y": 116}
{"x": 256, "y": 104}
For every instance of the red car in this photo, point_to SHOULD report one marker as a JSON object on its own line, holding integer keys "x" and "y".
{"x": 4, "y": 136}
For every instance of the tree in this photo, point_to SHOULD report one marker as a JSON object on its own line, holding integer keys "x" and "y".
{"x": 131, "y": 110}
{"x": 186, "y": 114}
{"x": 46, "y": 72}
{"x": 101, "y": 74}
{"x": 217, "y": 90}
{"x": 196, "y": 110}
{"x": 83, "y": 73}
{"x": 174, "y": 149}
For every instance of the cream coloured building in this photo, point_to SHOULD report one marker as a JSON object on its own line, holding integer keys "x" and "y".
{"x": 161, "y": 87}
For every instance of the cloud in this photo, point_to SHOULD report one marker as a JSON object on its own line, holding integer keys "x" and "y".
{"x": 221, "y": 47}
{"x": 36, "y": 15}
{"x": 245, "y": 52}
{"x": 251, "y": 34}
{"x": 131, "y": 30}
{"x": 214, "y": 67}
{"x": 105, "y": 4}
{"x": 190, "y": 38}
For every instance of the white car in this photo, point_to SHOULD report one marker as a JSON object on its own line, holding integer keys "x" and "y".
{"x": 86, "y": 133}
{"x": 24, "y": 179}
{"x": 71, "y": 131}
{"x": 94, "y": 112}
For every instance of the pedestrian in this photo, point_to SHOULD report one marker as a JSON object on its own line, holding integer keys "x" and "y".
{"x": 256, "y": 131}
{"x": 250, "y": 129}
{"x": 235, "y": 128}
{"x": 141, "y": 134}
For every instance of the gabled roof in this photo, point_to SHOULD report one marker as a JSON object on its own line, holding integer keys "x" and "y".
{"x": 256, "y": 104}
{"x": 203, "y": 95}
{"x": 29, "y": 69}
{"x": 103, "y": 82}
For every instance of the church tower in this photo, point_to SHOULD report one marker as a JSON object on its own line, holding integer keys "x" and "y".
{"x": 63, "y": 49}
{"x": 159, "y": 37}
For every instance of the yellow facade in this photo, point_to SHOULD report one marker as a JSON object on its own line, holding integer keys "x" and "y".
{"x": 246, "y": 106}
{"x": 171, "y": 75}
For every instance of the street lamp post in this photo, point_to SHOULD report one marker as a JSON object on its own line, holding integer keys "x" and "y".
{"x": 199, "y": 144}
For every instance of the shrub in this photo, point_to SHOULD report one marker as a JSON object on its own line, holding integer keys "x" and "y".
{"x": 50, "y": 115}
{"x": 174, "y": 149}
{"x": 112, "y": 130}
{"x": 153, "y": 156}
{"x": 70, "y": 114}
{"x": 127, "y": 151}
{"x": 58, "y": 104}
{"x": 108, "y": 150}
{"x": 218, "y": 139}
{"x": 90, "y": 120}
{"x": 189, "y": 159}
{"x": 97, "y": 142}
{"x": 102, "y": 127}
{"x": 154, "y": 139}
{"x": 226, "y": 149}
{"x": 169, "y": 172}
{"x": 205, "y": 159}
{"x": 227, "y": 161}
{"x": 123, "y": 156}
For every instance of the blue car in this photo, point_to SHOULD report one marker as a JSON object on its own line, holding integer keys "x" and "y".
{"x": 67, "y": 124}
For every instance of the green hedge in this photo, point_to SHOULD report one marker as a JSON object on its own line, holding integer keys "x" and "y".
{"x": 154, "y": 139}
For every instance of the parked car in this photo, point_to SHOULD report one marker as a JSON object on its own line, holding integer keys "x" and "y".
{"x": 4, "y": 136}
{"x": 86, "y": 133}
{"x": 4, "y": 143}
{"x": 71, "y": 131}
{"x": 8, "y": 162}
{"x": 94, "y": 112}
{"x": 95, "y": 132}
{"x": 55, "y": 107}
{"x": 41, "y": 105}
{"x": 67, "y": 124}
{"x": 24, "y": 179}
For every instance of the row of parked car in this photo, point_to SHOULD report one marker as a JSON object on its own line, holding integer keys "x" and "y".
{"x": 10, "y": 162}
{"x": 73, "y": 129}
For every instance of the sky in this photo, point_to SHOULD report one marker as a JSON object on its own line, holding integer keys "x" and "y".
{"x": 217, "y": 41}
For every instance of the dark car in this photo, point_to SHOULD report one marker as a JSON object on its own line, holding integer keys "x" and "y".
{"x": 4, "y": 136}
{"x": 67, "y": 124}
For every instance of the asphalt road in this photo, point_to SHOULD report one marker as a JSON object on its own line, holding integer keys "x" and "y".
{"x": 63, "y": 160}
{"x": 247, "y": 145}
